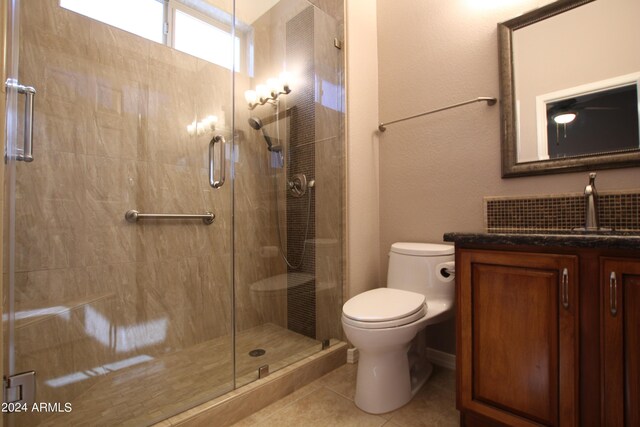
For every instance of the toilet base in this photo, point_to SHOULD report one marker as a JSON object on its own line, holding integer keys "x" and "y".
{"x": 386, "y": 382}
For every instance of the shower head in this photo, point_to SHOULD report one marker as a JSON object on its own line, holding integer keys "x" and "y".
{"x": 255, "y": 123}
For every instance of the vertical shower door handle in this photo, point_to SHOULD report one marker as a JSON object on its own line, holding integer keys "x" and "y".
{"x": 212, "y": 181}
{"x": 26, "y": 153}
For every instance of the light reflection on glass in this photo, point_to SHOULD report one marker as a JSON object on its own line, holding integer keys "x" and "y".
{"x": 100, "y": 370}
{"x": 59, "y": 310}
{"x": 123, "y": 338}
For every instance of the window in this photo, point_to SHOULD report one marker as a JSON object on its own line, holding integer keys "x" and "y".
{"x": 190, "y": 31}
{"x": 204, "y": 40}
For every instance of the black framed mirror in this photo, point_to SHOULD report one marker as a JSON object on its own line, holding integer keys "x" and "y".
{"x": 569, "y": 83}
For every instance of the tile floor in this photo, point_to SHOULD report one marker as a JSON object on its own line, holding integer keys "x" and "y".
{"x": 328, "y": 401}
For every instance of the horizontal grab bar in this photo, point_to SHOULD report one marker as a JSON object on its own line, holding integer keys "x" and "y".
{"x": 133, "y": 216}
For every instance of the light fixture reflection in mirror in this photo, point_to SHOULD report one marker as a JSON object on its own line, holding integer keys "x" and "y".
{"x": 561, "y": 120}
{"x": 564, "y": 118}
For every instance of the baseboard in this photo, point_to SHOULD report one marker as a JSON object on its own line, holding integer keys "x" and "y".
{"x": 440, "y": 358}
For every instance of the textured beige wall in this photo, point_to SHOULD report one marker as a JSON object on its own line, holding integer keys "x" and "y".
{"x": 435, "y": 170}
{"x": 363, "y": 226}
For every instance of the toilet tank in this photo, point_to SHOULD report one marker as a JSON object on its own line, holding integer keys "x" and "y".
{"x": 418, "y": 267}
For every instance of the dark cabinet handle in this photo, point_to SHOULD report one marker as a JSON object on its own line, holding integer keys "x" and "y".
{"x": 613, "y": 294}
{"x": 564, "y": 291}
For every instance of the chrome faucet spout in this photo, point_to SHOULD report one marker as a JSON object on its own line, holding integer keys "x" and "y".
{"x": 591, "y": 221}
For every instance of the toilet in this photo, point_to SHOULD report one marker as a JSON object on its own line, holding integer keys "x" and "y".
{"x": 386, "y": 324}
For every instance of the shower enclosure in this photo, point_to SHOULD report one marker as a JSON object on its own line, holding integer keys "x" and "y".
{"x": 173, "y": 202}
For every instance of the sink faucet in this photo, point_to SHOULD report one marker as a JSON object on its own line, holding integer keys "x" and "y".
{"x": 591, "y": 204}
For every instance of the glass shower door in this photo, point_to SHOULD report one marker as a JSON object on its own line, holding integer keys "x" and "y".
{"x": 289, "y": 184}
{"x": 123, "y": 322}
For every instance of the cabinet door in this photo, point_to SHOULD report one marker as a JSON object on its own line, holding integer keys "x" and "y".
{"x": 517, "y": 337}
{"x": 621, "y": 342}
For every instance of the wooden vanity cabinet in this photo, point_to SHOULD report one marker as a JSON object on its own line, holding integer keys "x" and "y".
{"x": 517, "y": 329}
{"x": 548, "y": 336}
{"x": 620, "y": 291}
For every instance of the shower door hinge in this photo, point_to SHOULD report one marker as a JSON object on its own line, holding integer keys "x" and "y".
{"x": 20, "y": 388}
{"x": 337, "y": 43}
{"x": 165, "y": 28}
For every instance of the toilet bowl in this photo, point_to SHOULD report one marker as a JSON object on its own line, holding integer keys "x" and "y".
{"x": 383, "y": 324}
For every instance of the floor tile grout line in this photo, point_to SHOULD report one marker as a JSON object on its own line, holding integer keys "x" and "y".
{"x": 338, "y": 393}
{"x": 311, "y": 390}
{"x": 354, "y": 404}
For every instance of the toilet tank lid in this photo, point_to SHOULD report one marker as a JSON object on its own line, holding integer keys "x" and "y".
{"x": 422, "y": 249}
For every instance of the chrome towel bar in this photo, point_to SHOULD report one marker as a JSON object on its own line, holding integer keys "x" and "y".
{"x": 133, "y": 216}
{"x": 490, "y": 101}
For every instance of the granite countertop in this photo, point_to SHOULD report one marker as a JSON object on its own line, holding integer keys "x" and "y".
{"x": 605, "y": 240}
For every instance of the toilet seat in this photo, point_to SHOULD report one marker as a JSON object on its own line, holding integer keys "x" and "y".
{"x": 384, "y": 308}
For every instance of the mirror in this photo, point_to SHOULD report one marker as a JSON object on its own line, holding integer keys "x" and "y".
{"x": 569, "y": 82}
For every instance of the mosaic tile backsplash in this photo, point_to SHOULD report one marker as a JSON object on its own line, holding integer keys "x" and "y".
{"x": 553, "y": 213}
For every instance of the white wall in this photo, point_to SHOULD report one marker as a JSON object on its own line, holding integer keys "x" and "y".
{"x": 363, "y": 222}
